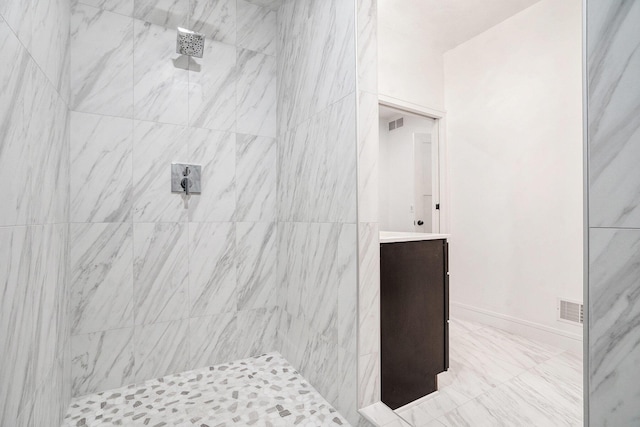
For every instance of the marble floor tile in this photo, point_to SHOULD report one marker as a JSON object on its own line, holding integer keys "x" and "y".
{"x": 414, "y": 415}
{"x": 459, "y": 327}
{"x": 501, "y": 379}
{"x": 261, "y": 391}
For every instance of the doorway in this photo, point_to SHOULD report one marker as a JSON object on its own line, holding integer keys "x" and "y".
{"x": 409, "y": 171}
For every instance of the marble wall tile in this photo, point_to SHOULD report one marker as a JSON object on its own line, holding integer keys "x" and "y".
{"x": 102, "y": 360}
{"x": 161, "y": 349}
{"x": 271, "y": 4}
{"x": 368, "y": 149}
{"x": 123, "y": 7}
{"x": 215, "y": 18}
{"x": 101, "y": 277}
{"x": 101, "y": 71}
{"x": 320, "y": 279}
{"x": 49, "y": 45}
{"x": 333, "y": 180}
{"x": 34, "y": 160}
{"x": 317, "y": 167}
{"x": 256, "y": 28}
{"x": 212, "y": 88}
{"x": 160, "y": 75}
{"x": 347, "y": 280}
{"x": 16, "y": 323}
{"x": 215, "y": 151}
{"x": 613, "y": 143}
{"x": 290, "y": 261}
{"x": 102, "y": 162}
{"x": 293, "y": 185}
{"x": 160, "y": 272}
{"x": 369, "y": 292}
{"x": 256, "y": 265}
{"x": 256, "y": 94}
{"x": 50, "y": 404}
{"x": 369, "y": 388}
{"x": 347, "y": 388}
{"x": 49, "y": 153}
{"x": 257, "y": 331}
{"x": 613, "y": 332}
{"x": 155, "y": 147}
{"x": 316, "y": 357}
{"x": 613, "y": 106}
{"x": 19, "y": 16}
{"x": 212, "y": 268}
{"x": 14, "y": 120}
{"x": 48, "y": 277}
{"x": 213, "y": 339}
{"x": 256, "y": 165}
{"x": 367, "y": 27}
{"x": 316, "y": 61}
{"x": 168, "y": 14}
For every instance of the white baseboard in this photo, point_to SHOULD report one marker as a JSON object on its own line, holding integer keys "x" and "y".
{"x": 535, "y": 331}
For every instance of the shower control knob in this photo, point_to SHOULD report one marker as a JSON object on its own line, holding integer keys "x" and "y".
{"x": 420, "y": 222}
{"x": 186, "y": 185}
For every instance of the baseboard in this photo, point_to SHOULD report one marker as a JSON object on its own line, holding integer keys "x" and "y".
{"x": 535, "y": 331}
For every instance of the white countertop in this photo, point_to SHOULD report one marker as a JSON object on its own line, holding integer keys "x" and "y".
{"x": 402, "y": 236}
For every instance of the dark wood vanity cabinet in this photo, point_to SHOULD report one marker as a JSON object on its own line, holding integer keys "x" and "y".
{"x": 414, "y": 314}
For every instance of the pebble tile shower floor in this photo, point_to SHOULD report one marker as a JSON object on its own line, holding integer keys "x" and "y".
{"x": 263, "y": 391}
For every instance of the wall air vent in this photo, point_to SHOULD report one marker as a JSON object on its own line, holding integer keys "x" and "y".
{"x": 396, "y": 124}
{"x": 570, "y": 311}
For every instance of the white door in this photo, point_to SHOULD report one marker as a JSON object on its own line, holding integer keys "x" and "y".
{"x": 427, "y": 218}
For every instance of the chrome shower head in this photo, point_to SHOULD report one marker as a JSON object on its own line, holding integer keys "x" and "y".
{"x": 190, "y": 43}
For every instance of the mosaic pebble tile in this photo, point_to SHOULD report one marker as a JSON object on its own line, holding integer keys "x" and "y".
{"x": 263, "y": 391}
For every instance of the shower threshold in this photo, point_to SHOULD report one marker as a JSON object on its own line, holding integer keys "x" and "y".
{"x": 260, "y": 391}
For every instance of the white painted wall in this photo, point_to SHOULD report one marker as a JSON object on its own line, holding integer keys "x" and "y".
{"x": 514, "y": 126}
{"x": 396, "y": 169}
{"x": 409, "y": 69}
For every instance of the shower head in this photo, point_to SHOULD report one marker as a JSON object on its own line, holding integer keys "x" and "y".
{"x": 190, "y": 43}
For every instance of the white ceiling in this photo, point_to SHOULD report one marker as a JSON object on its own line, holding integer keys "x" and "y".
{"x": 445, "y": 24}
{"x": 388, "y": 113}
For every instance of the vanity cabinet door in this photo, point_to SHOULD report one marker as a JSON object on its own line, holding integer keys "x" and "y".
{"x": 413, "y": 312}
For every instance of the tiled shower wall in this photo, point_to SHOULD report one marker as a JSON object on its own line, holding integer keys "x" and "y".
{"x": 34, "y": 218}
{"x": 160, "y": 284}
{"x": 368, "y": 220}
{"x": 317, "y": 246}
{"x": 613, "y": 109}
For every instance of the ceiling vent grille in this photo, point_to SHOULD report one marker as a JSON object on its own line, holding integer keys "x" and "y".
{"x": 570, "y": 311}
